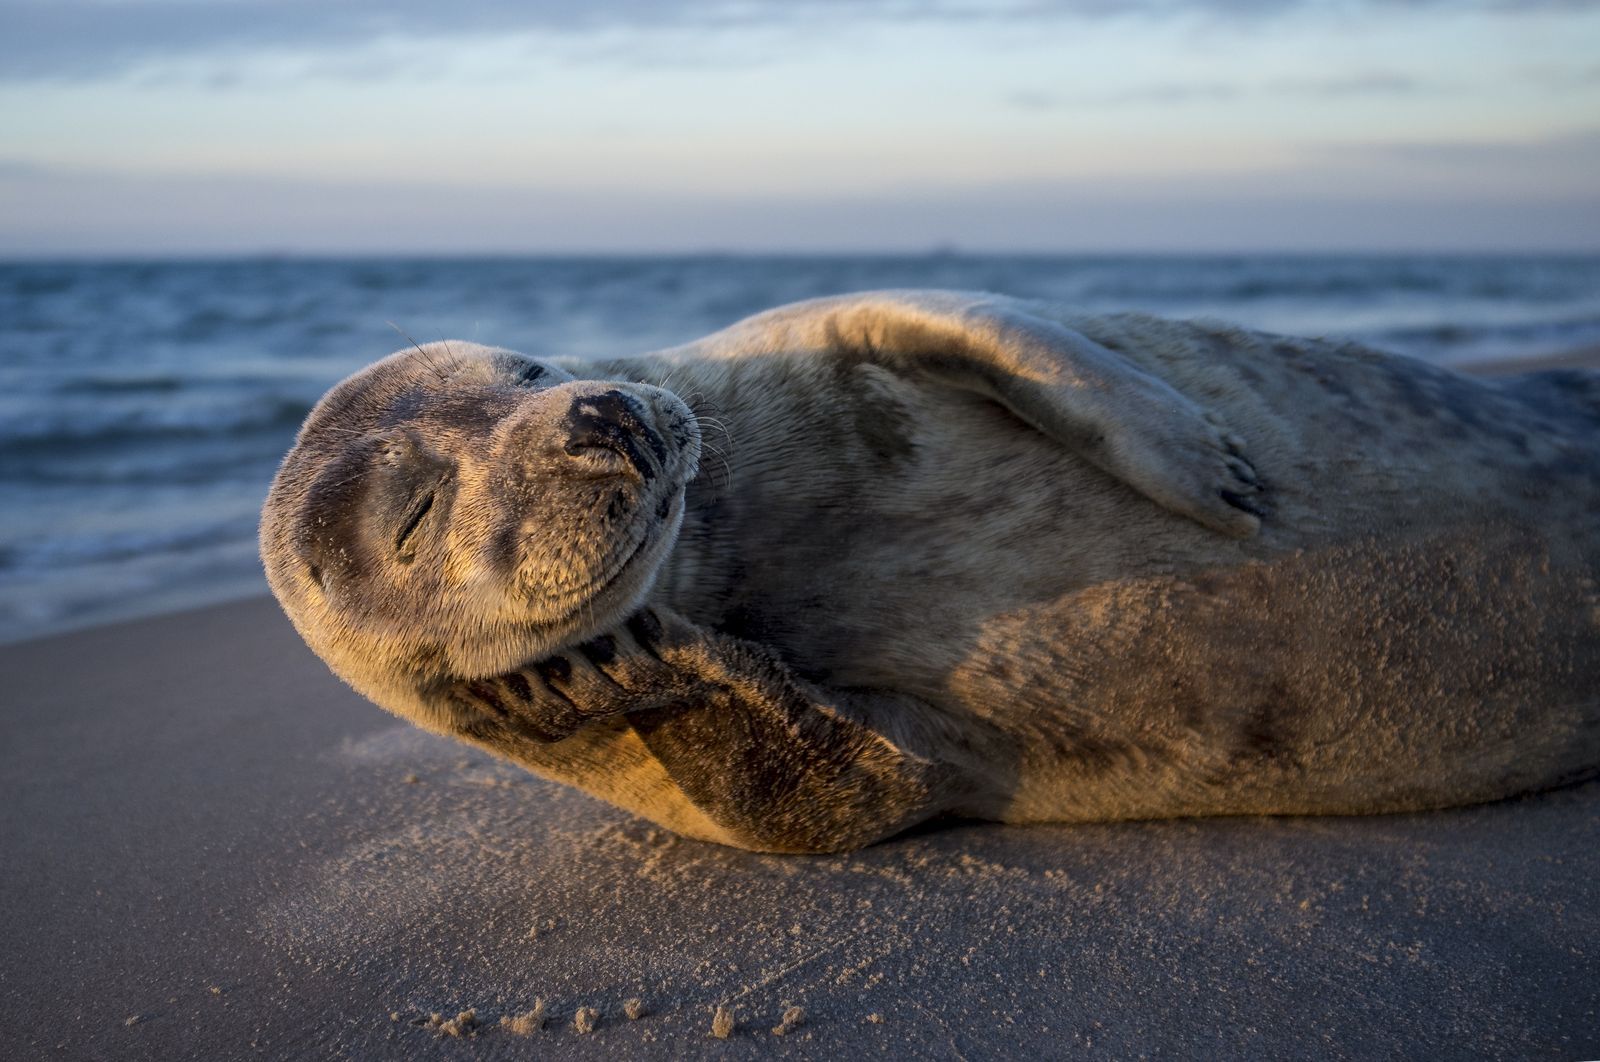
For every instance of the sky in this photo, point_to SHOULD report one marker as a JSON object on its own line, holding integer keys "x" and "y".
{"x": 169, "y": 127}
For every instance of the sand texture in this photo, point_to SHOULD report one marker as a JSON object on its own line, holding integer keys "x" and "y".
{"x": 214, "y": 850}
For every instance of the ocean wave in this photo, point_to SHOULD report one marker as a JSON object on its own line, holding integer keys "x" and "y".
{"x": 250, "y": 458}
{"x": 1451, "y": 341}
{"x": 1338, "y": 281}
{"x": 116, "y": 385}
{"x": 1247, "y": 289}
{"x": 80, "y": 424}
{"x": 67, "y": 549}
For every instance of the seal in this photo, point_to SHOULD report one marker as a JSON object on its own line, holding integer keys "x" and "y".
{"x": 860, "y": 562}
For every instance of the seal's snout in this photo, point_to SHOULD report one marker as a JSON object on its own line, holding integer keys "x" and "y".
{"x": 614, "y": 422}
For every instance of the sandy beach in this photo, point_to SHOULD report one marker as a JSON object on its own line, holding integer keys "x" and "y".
{"x": 215, "y": 850}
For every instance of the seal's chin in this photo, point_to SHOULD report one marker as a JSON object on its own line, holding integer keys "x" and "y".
{"x": 635, "y": 573}
{"x": 627, "y": 579}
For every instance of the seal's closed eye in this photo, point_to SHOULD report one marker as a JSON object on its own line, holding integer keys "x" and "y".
{"x": 407, "y": 488}
{"x": 416, "y": 518}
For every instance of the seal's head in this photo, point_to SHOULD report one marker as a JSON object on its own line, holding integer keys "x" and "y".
{"x": 455, "y": 511}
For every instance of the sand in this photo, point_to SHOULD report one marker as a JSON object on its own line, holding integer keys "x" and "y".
{"x": 211, "y": 849}
{"x": 205, "y": 831}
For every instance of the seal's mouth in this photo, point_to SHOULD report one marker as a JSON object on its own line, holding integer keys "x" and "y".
{"x": 661, "y": 529}
{"x": 619, "y": 568}
{"x": 624, "y": 579}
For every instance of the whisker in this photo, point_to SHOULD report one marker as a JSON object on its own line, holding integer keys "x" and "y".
{"x": 722, "y": 458}
{"x": 717, "y": 426}
{"x": 427, "y": 359}
{"x": 455, "y": 361}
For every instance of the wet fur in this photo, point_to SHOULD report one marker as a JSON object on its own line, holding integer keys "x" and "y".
{"x": 890, "y": 598}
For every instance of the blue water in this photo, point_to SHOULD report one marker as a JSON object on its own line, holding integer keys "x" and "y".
{"x": 144, "y": 405}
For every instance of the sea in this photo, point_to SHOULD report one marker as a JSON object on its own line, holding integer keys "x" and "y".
{"x": 145, "y": 404}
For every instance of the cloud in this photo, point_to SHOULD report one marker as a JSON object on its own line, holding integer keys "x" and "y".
{"x": 1563, "y": 77}
{"x": 25, "y": 169}
{"x": 1538, "y": 169}
{"x": 1314, "y": 207}
{"x": 1185, "y": 92}
{"x": 1575, "y": 152}
{"x": 92, "y": 39}
{"x": 1368, "y": 84}
{"x": 1171, "y": 92}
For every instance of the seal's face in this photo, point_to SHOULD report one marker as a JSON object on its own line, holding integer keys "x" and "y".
{"x": 455, "y": 511}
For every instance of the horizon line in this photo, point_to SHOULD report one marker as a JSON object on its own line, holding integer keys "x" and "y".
{"x": 10, "y": 257}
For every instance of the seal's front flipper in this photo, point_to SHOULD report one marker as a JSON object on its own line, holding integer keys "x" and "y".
{"x": 612, "y": 673}
{"x": 769, "y": 760}
{"x": 785, "y": 774}
{"x": 1100, "y": 405}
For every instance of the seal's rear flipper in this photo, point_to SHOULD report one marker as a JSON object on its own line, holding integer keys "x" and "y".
{"x": 1095, "y": 402}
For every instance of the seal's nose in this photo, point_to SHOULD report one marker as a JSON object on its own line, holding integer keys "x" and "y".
{"x": 614, "y": 421}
